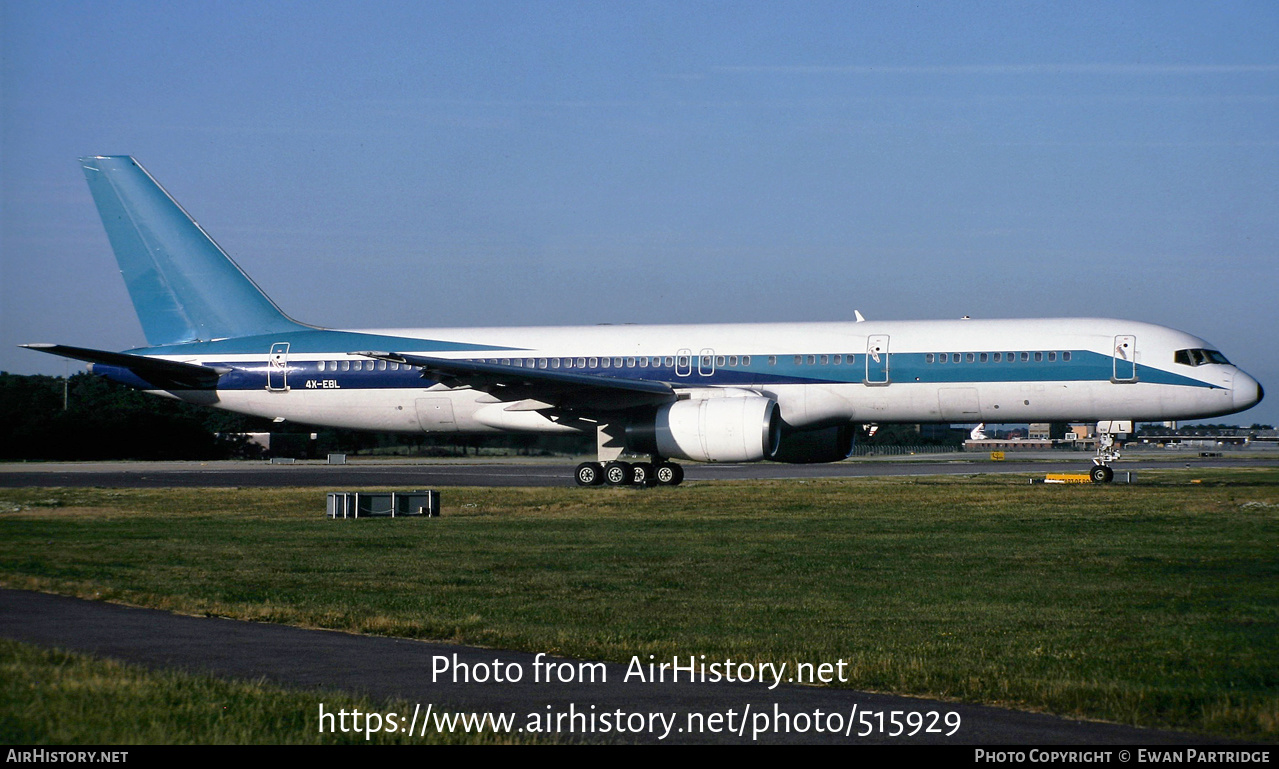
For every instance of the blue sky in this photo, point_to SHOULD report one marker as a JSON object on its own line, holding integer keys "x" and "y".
{"x": 528, "y": 163}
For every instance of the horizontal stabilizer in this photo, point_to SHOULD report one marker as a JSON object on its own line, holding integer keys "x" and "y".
{"x": 164, "y": 374}
{"x": 551, "y": 389}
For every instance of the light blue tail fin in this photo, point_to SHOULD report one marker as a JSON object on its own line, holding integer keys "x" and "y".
{"x": 184, "y": 287}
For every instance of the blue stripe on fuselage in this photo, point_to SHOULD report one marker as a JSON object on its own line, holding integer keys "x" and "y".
{"x": 904, "y": 368}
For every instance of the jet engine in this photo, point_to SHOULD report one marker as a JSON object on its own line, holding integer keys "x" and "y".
{"x": 828, "y": 444}
{"x": 732, "y": 429}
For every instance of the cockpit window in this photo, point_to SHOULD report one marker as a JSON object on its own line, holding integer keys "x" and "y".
{"x": 1199, "y": 357}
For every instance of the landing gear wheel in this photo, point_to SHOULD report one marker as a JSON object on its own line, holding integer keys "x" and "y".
{"x": 668, "y": 474}
{"x": 617, "y": 474}
{"x": 642, "y": 474}
{"x": 1101, "y": 474}
{"x": 589, "y": 474}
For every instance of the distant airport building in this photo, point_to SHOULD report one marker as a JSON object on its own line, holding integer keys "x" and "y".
{"x": 1082, "y": 437}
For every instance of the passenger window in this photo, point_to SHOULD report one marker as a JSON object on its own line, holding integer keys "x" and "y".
{"x": 1052, "y": 356}
{"x": 772, "y": 360}
{"x": 999, "y": 357}
{"x": 928, "y": 357}
{"x": 604, "y": 362}
{"x": 1039, "y": 357}
{"x": 983, "y": 358}
{"x": 955, "y": 358}
{"x": 671, "y": 361}
{"x": 555, "y": 362}
{"x": 1025, "y": 357}
{"x": 581, "y": 362}
{"x": 838, "y": 359}
{"x": 812, "y": 359}
{"x": 732, "y": 360}
{"x": 969, "y": 357}
{"x": 799, "y": 360}
{"x": 1065, "y": 356}
{"x": 746, "y": 360}
{"x": 719, "y": 360}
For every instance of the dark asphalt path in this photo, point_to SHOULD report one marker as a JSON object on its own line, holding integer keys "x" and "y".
{"x": 386, "y": 668}
{"x": 443, "y": 474}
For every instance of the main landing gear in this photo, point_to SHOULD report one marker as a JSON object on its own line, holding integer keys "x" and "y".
{"x": 617, "y": 473}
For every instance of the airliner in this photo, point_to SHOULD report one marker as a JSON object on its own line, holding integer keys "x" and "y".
{"x": 785, "y": 392}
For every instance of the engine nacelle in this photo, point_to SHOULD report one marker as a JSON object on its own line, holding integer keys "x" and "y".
{"x": 802, "y": 447}
{"x": 732, "y": 429}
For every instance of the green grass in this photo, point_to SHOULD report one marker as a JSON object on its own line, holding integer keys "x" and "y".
{"x": 53, "y": 697}
{"x": 1155, "y": 604}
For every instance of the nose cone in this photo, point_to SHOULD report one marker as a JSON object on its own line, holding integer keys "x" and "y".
{"x": 1247, "y": 392}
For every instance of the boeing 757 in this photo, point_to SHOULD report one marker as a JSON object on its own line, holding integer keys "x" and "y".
{"x": 786, "y": 392}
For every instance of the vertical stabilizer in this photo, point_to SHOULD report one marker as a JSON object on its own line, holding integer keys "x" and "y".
{"x": 184, "y": 287}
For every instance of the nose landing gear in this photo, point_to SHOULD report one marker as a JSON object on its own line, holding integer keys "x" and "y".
{"x": 1107, "y": 449}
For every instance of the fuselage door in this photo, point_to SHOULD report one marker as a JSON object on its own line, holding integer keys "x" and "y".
{"x": 1125, "y": 358}
{"x": 706, "y": 362}
{"x": 877, "y": 359}
{"x": 684, "y": 362}
{"x": 277, "y": 368}
{"x": 435, "y": 415}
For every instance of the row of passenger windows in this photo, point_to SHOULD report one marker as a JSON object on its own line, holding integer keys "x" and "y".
{"x": 643, "y": 361}
{"x": 995, "y": 357}
{"x": 733, "y": 361}
{"x": 360, "y": 365}
{"x": 822, "y": 360}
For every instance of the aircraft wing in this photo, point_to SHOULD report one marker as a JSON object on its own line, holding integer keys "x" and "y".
{"x": 533, "y": 389}
{"x": 164, "y": 374}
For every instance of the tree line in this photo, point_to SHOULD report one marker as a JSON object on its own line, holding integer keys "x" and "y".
{"x": 86, "y": 417}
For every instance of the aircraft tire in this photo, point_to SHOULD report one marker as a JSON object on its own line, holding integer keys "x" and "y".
{"x": 642, "y": 474}
{"x": 589, "y": 474}
{"x": 1101, "y": 474}
{"x": 668, "y": 474}
{"x": 617, "y": 474}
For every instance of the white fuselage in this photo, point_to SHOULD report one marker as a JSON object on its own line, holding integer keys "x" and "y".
{"x": 820, "y": 374}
